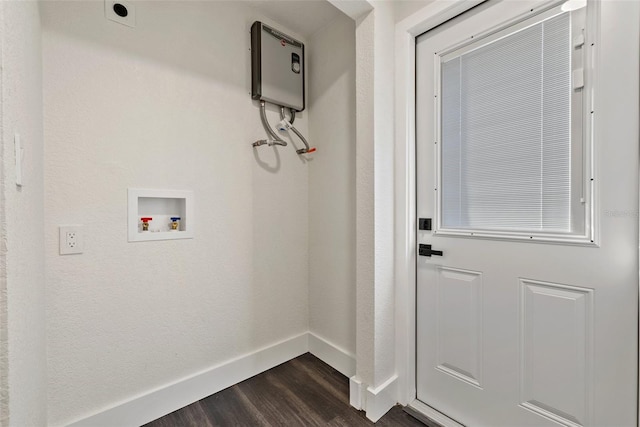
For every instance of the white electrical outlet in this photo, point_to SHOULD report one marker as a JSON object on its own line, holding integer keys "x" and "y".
{"x": 71, "y": 239}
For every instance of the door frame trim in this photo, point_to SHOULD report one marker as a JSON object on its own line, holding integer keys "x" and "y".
{"x": 407, "y": 30}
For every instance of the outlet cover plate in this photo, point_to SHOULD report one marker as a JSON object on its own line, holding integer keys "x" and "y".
{"x": 71, "y": 239}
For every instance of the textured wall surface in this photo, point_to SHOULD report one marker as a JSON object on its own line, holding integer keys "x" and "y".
{"x": 384, "y": 294}
{"x": 365, "y": 255}
{"x": 405, "y": 8}
{"x": 4, "y": 344}
{"x": 22, "y": 361}
{"x": 375, "y": 322}
{"x": 332, "y": 200}
{"x": 162, "y": 105}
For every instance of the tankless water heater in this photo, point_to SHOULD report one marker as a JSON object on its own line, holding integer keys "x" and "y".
{"x": 277, "y": 67}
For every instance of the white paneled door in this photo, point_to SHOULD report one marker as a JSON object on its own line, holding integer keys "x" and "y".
{"x": 527, "y": 165}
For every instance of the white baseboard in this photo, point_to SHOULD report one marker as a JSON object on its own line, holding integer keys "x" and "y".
{"x": 382, "y": 398}
{"x": 339, "y": 359}
{"x": 157, "y": 403}
{"x": 356, "y": 394}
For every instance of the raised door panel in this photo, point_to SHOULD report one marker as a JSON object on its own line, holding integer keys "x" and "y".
{"x": 459, "y": 319}
{"x": 556, "y": 351}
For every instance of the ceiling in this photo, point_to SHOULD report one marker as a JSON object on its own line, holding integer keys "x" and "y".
{"x": 304, "y": 17}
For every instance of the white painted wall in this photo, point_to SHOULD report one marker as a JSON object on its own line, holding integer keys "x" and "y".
{"x": 132, "y": 107}
{"x": 374, "y": 387}
{"x": 384, "y": 32}
{"x": 162, "y": 105}
{"x": 22, "y": 290}
{"x": 405, "y": 8}
{"x": 332, "y": 200}
{"x": 374, "y": 194}
{"x": 365, "y": 200}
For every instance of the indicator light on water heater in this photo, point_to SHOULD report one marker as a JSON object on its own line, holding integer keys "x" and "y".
{"x": 145, "y": 223}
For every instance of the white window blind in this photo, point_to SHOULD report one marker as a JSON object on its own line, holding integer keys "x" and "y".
{"x": 506, "y": 132}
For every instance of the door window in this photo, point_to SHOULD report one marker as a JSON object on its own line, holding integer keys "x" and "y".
{"x": 512, "y": 157}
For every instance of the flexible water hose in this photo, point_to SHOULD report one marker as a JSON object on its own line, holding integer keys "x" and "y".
{"x": 263, "y": 115}
{"x": 302, "y": 138}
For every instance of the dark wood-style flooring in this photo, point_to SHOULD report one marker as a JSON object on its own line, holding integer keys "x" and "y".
{"x": 302, "y": 392}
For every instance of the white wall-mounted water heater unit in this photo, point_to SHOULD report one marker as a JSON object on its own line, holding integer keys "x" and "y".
{"x": 277, "y": 67}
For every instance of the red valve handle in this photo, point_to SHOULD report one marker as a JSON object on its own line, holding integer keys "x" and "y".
{"x": 311, "y": 150}
{"x": 146, "y": 219}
